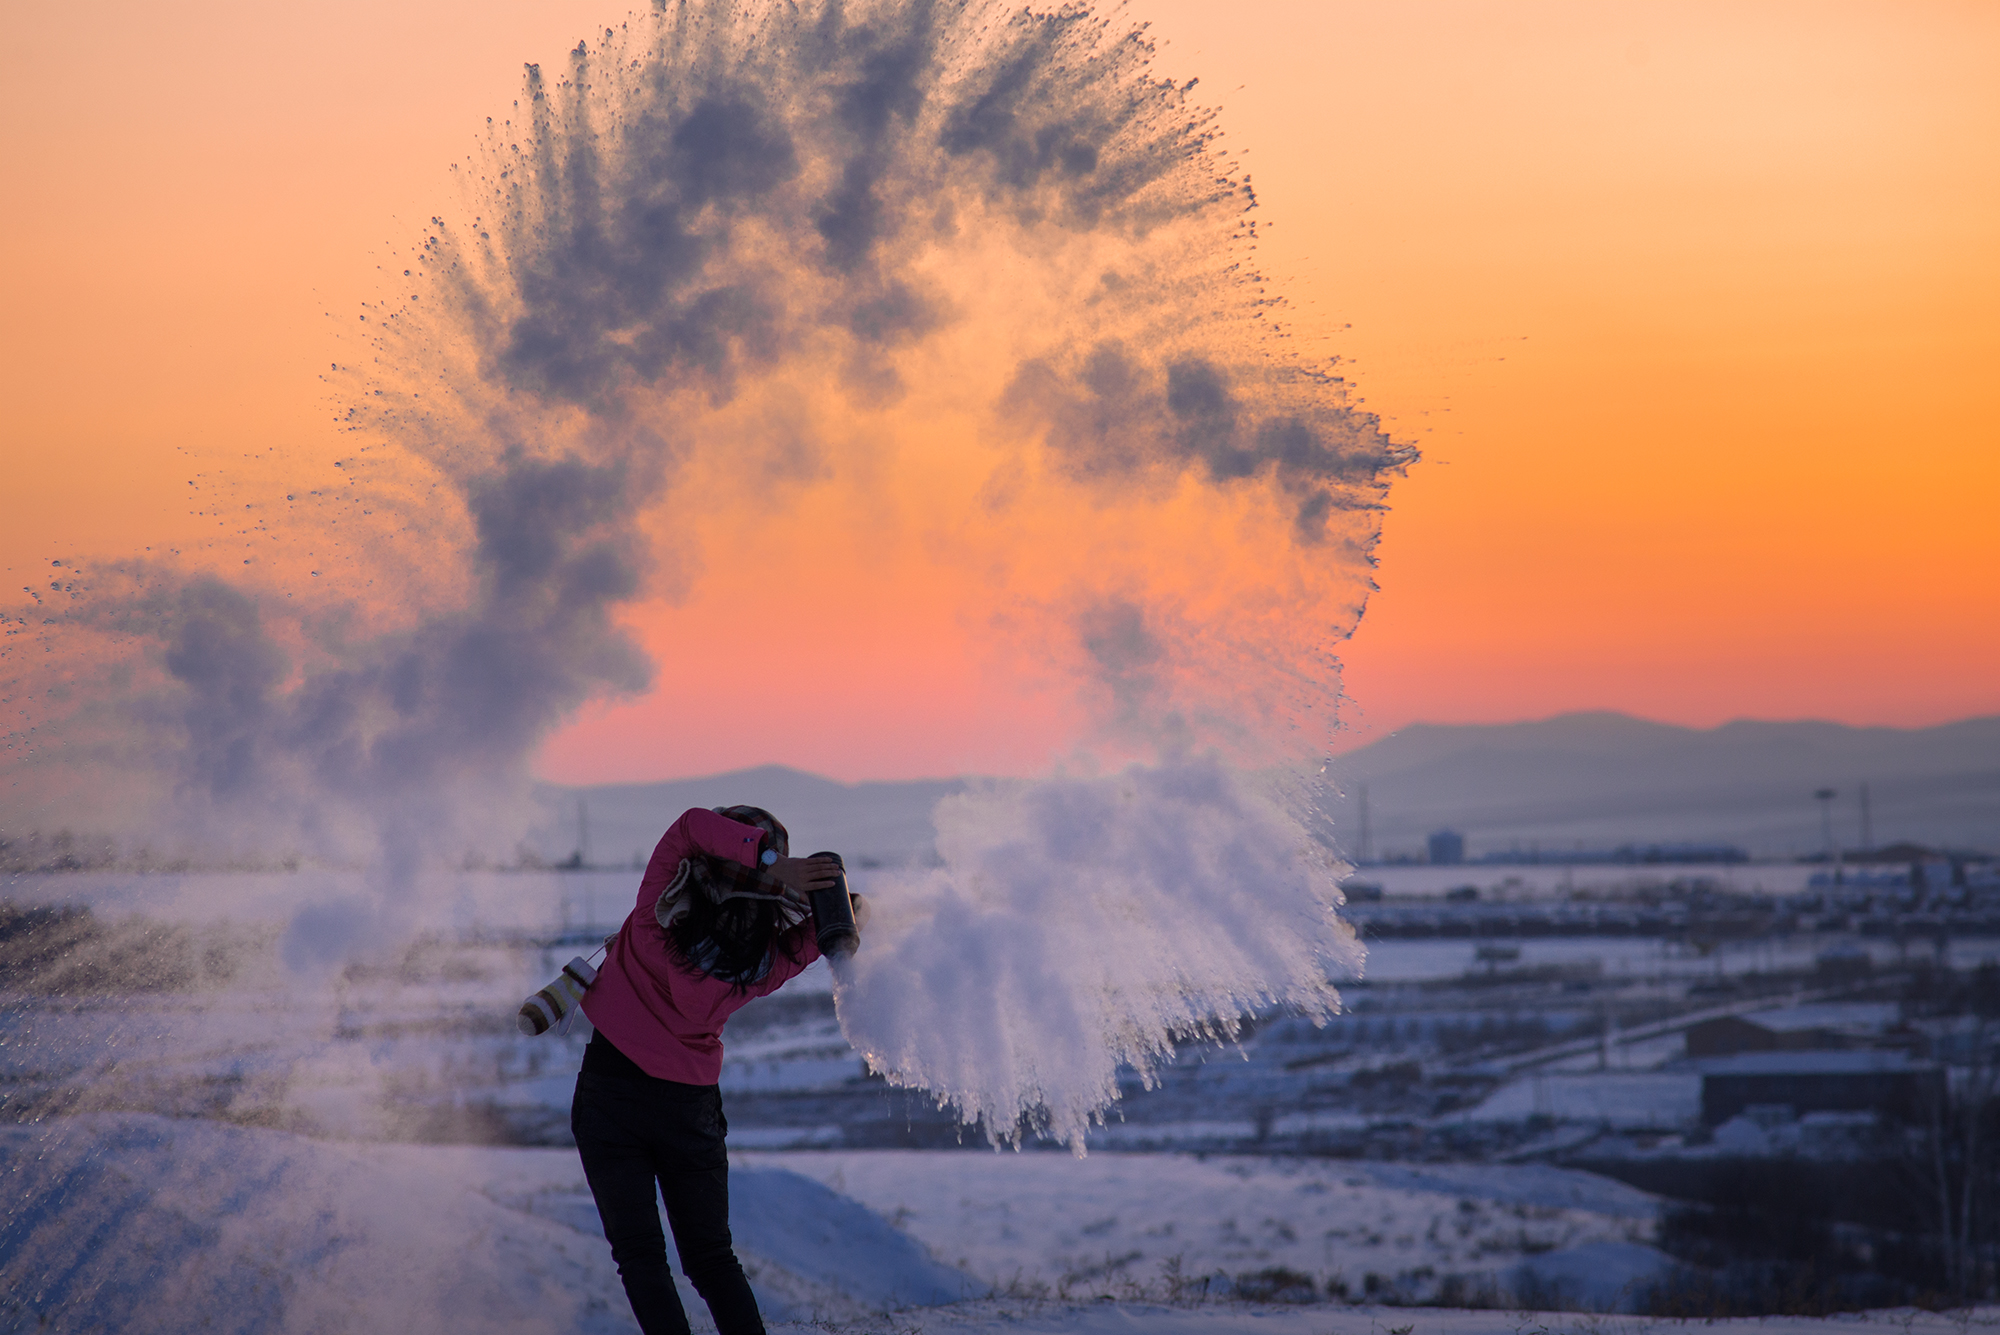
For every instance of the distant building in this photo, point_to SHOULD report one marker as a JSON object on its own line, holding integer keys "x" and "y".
{"x": 1843, "y": 963}
{"x": 1624, "y": 854}
{"x": 1958, "y": 1040}
{"x": 1692, "y": 853}
{"x": 1447, "y": 848}
{"x": 1931, "y": 870}
{"x": 1886, "y": 1083}
{"x": 1822, "y": 1028}
{"x": 1649, "y": 1101}
{"x": 1861, "y": 878}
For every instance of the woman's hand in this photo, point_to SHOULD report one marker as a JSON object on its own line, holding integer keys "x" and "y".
{"x": 802, "y": 876}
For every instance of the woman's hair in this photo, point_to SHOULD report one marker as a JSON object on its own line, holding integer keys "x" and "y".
{"x": 731, "y": 940}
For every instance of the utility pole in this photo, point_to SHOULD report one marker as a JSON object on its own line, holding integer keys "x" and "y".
{"x": 1364, "y": 850}
{"x": 1867, "y": 823}
{"x": 1825, "y": 798}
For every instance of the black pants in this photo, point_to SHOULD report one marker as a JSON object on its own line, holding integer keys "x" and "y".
{"x": 634, "y": 1131}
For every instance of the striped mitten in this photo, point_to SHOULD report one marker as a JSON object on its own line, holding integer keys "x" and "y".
{"x": 546, "y": 1009}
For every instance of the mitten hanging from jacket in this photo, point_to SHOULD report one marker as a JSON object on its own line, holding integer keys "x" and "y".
{"x": 550, "y": 1006}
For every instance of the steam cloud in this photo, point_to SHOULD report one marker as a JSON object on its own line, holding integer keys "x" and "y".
{"x": 977, "y": 262}
{"x": 1083, "y": 925}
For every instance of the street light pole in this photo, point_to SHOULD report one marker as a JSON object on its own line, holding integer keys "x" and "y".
{"x": 1825, "y": 797}
{"x": 1367, "y": 853}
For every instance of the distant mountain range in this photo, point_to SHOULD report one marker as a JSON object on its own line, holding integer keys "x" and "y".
{"x": 1599, "y": 780}
{"x": 1588, "y": 781}
{"x": 885, "y": 822}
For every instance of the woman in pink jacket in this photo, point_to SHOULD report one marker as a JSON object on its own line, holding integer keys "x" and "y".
{"x": 722, "y": 917}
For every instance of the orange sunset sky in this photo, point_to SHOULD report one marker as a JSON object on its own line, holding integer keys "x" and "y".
{"x": 1693, "y": 309}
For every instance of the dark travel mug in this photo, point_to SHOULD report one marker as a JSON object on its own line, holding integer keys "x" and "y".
{"x": 834, "y": 912}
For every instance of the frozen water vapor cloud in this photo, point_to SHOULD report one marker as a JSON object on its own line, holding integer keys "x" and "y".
{"x": 1112, "y": 417}
{"x": 978, "y": 264}
{"x": 1079, "y": 926}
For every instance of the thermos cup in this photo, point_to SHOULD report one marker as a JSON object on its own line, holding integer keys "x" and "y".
{"x": 834, "y": 912}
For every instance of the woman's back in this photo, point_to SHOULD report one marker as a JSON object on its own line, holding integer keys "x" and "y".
{"x": 649, "y": 999}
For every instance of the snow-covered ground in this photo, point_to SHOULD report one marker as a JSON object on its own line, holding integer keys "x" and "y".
{"x": 1163, "y": 1225}
{"x": 1015, "y": 1318}
{"x": 208, "y": 1132}
{"x": 136, "y": 1222}
{"x": 1654, "y": 1100}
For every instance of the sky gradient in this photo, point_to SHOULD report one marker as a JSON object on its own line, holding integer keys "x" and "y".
{"x": 1689, "y": 307}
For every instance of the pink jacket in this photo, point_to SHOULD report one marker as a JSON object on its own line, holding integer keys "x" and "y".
{"x": 665, "y": 1016}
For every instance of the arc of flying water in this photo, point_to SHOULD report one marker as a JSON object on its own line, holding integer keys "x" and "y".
{"x": 717, "y": 204}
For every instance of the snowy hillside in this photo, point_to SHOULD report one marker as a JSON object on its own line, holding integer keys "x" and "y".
{"x": 135, "y": 1222}
{"x": 138, "y": 1223}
